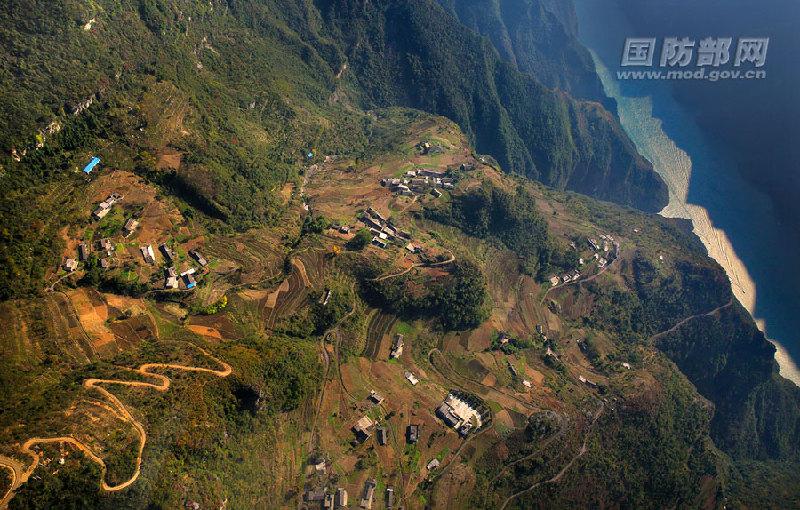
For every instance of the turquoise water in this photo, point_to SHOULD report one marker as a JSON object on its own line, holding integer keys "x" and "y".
{"x": 735, "y": 221}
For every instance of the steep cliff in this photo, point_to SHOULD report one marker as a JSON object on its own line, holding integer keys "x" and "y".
{"x": 415, "y": 53}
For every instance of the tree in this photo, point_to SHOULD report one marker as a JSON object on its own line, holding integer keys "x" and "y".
{"x": 360, "y": 241}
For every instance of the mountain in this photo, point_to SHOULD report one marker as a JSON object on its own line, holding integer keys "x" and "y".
{"x": 266, "y": 312}
{"x": 416, "y": 54}
{"x": 538, "y": 37}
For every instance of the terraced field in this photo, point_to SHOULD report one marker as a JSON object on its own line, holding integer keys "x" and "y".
{"x": 255, "y": 257}
{"x": 378, "y": 330}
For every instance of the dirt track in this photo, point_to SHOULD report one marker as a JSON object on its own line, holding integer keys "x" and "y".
{"x": 450, "y": 260}
{"x": 558, "y": 476}
{"x": 691, "y": 317}
{"x": 20, "y": 474}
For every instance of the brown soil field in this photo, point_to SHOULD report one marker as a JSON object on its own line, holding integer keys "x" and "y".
{"x": 205, "y": 331}
{"x": 169, "y": 159}
{"x": 93, "y": 317}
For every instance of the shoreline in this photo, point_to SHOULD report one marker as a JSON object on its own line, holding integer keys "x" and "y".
{"x": 674, "y": 165}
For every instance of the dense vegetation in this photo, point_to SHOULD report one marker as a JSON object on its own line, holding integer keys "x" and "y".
{"x": 489, "y": 212}
{"x": 457, "y": 300}
{"x": 242, "y": 90}
{"x": 417, "y": 54}
{"x": 538, "y": 37}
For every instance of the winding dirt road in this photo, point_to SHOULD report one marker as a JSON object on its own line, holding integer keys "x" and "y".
{"x": 691, "y": 317}
{"x": 414, "y": 266}
{"x": 558, "y": 476}
{"x": 20, "y": 474}
{"x": 581, "y": 280}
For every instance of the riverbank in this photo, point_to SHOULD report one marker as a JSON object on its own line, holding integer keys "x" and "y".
{"x": 735, "y": 222}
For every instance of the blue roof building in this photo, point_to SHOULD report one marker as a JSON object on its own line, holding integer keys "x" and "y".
{"x": 90, "y": 166}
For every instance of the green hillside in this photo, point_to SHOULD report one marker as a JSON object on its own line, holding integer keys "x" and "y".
{"x": 370, "y": 209}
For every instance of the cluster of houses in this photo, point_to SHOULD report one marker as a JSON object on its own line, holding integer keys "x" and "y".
{"x": 602, "y": 255}
{"x": 171, "y": 276}
{"x": 383, "y": 230}
{"x": 104, "y": 207}
{"x": 418, "y": 182}
{"x": 328, "y": 500}
{"x": 462, "y": 412}
{"x": 607, "y": 241}
{"x": 107, "y": 248}
{"x": 428, "y": 149}
{"x": 104, "y": 246}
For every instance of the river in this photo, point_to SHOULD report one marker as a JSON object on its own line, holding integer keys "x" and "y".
{"x": 735, "y": 222}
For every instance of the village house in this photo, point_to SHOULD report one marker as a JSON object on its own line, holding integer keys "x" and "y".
{"x": 411, "y": 378}
{"x": 554, "y": 280}
{"x": 170, "y": 278}
{"x": 100, "y": 213}
{"x": 148, "y": 254}
{"x": 325, "y": 298}
{"x": 389, "y": 498}
{"x": 412, "y": 434}
{"x": 344, "y": 229}
{"x": 165, "y": 250}
{"x": 198, "y": 257}
{"x": 436, "y": 193}
{"x": 106, "y": 204}
{"x": 433, "y": 464}
{"x": 372, "y": 224}
{"x": 130, "y": 227}
{"x": 426, "y": 172}
{"x": 375, "y": 397}
{"x": 386, "y": 234}
{"x": 327, "y": 503}
{"x": 341, "y": 497}
{"x": 455, "y": 412}
{"x": 188, "y": 278}
{"x": 397, "y": 347}
{"x": 381, "y": 433}
{"x": 106, "y": 246}
{"x": 315, "y": 495}
{"x": 503, "y": 338}
{"x": 83, "y": 252}
{"x": 361, "y": 429}
{"x": 375, "y": 214}
{"x": 70, "y": 265}
{"x": 369, "y": 493}
{"x": 380, "y": 243}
